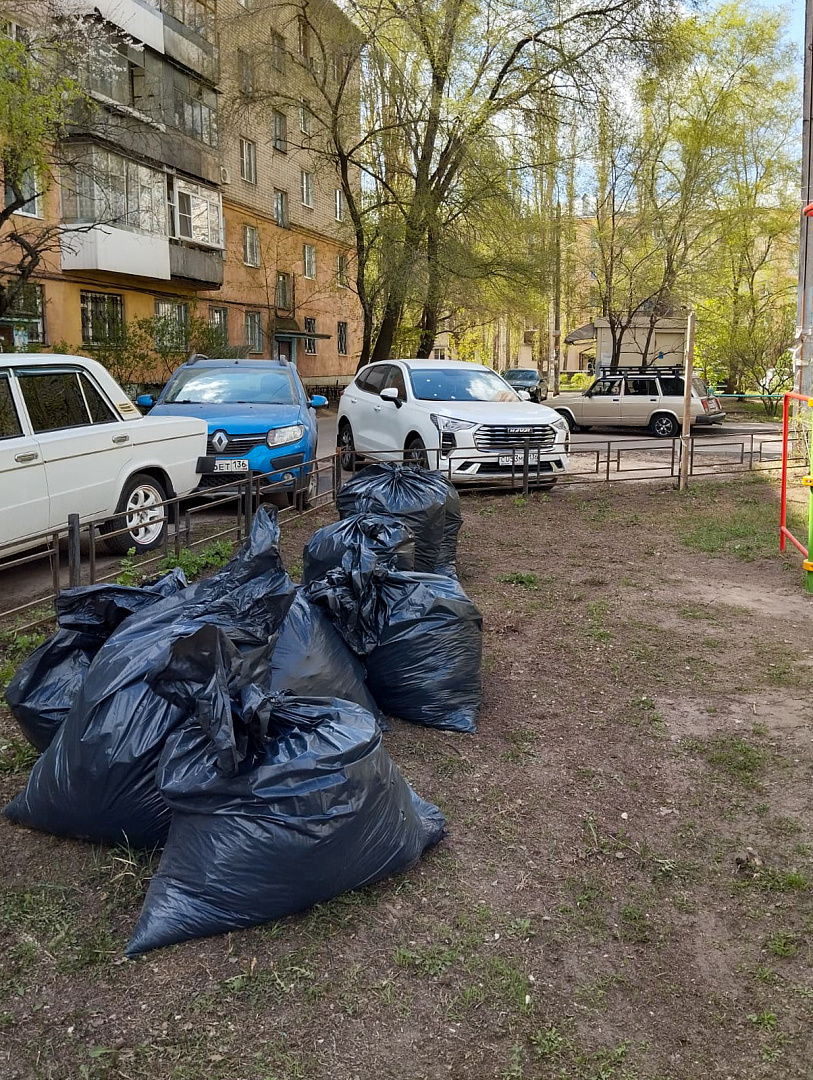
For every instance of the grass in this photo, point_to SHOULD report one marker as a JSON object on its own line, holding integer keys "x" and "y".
{"x": 17, "y": 756}
{"x": 527, "y": 581}
{"x": 731, "y": 755}
{"x": 14, "y": 648}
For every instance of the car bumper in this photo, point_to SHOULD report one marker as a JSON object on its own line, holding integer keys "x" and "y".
{"x": 709, "y": 418}
{"x": 284, "y": 470}
{"x": 466, "y": 465}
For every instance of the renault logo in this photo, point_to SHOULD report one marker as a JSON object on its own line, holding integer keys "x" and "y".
{"x": 220, "y": 441}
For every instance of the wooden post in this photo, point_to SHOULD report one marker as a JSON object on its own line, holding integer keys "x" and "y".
{"x": 688, "y": 372}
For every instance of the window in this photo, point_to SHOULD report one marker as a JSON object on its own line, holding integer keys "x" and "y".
{"x": 310, "y": 342}
{"x": 396, "y": 379}
{"x": 341, "y": 338}
{"x": 27, "y": 317}
{"x": 195, "y": 107}
{"x": 9, "y": 420}
{"x": 248, "y": 161}
{"x": 102, "y": 317}
{"x": 100, "y": 411}
{"x": 307, "y": 188}
{"x": 103, "y": 187}
{"x": 27, "y": 188}
{"x": 251, "y": 246}
{"x": 198, "y": 15}
{"x": 439, "y": 354}
{"x": 341, "y": 271}
{"x": 304, "y": 116}
{"x": 606, "y": 388}
{"x": 309, "y": 260}
{"x": 640, "y": 387}
{"x": 338, "y": 197}
{"x": 372, "y": 378}
{"x": 62, "y": 399}
{"x": 195, "y": 212}
{"x": 283, "y": 295}
{"x": 219, "y": 322}
{"x": 254, "y": 332}
{"x": 671, "y": 385}
{"x": 277, "y": 51}
{"x": 245, "y": 72}
{"x": 281, "y": 208}
{"x": 338, "y": 66}
{"x": 280, "y": 132}
{"x": 172, "y": 331}
{"x": 304, "y": 37}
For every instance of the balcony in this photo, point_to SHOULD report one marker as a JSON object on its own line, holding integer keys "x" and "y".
{"x": 196, "y": 265}
{"x": 139, "y": 18}
{"x": 117, "y": 251}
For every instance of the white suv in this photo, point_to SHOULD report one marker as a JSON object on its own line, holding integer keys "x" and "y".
{"x": 461, "y": 418}
{"x": 71, "y": 442}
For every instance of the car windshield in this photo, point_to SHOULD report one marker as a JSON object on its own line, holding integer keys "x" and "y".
{"x": 231, "y": 386}
{"x": 458, "y": 384}
{"x": 520, "y": 375}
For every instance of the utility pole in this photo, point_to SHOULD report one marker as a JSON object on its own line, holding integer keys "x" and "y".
{"x": 804, "y": 304}
{"x": 557, "y": 299}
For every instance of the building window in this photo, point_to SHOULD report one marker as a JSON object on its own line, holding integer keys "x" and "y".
{"x": 219, "y": 322}
{"x": 26, "y": 318}
{"x": 280, "y": 132}
{"x": 338, "y": 203}
{"x": 198, "y": 15}
{"x": 310, "y": 342}
{"x": 283, "y": 296}
{"x": 254, "y": 331}
{"x": 172, "y": 330}
{"x": 245, "y": 72}
{"x": 281, "y": 208}
{"x": 251, "y": 246}
{"x": 195, "y": 212}
{"x": 304, "y": 116}
{"x": 439, "y": 354}
{"x": 104, "y": 188}
{"x": 338, "y": 65}
{"x": 102, "y": 317}
{"x": 341, "y": 338}
{"x": 28, "y": 189}
{"x": 309, "y": 260}
{"x": 341, "y": 271}
{"x": 277, "y": 51}
{"x": 307, "y": 188}
{"x": 248, "y": 160}
{"x": 304, "y": 37}
{"x": 195, "y": 108}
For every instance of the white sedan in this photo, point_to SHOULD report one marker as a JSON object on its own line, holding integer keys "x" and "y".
{"x": 72, "y": 442}
{"x": 461, "y": 418}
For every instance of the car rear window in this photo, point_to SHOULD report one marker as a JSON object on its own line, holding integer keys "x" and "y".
{"x": 231, "y": 386}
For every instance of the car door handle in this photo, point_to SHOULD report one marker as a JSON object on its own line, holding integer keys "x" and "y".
{"x": 376, "y": 408}
{"x": 121, "y": 438}
{"x": 22, "y": 458}
{"x": 616, "y": 399}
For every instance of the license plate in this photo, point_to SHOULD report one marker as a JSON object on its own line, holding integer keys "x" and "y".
{"x": 238, "y": 464}
{"x": 714, "y": 405}
{"x": 518, "y": 458}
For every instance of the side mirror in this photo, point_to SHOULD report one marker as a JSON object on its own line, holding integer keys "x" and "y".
{"x": 524, "y": 395}
{"x": 390, "y": 393}
{"x": 318, "y": 401}
{"x": 146, "y": 401}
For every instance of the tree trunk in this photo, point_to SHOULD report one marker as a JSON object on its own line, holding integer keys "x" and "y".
{"x": 434, "y": 288}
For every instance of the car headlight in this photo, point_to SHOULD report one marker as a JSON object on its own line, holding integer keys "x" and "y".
{"x": 282, "y": 435}
{"x": 448, "y": 423}
{"x": 561, "y": 425}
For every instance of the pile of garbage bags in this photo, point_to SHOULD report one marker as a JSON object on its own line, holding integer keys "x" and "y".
{"x": 237, "y": 722}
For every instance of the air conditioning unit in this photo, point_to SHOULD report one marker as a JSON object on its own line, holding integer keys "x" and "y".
{"x": 225, "y": 175}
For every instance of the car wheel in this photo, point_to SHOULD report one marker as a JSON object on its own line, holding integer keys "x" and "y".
{"x": 415, "y": 452}
{"x": 663, "y": 426}
{"x": 347, "y": 449}
{"x": 142, "y": 515}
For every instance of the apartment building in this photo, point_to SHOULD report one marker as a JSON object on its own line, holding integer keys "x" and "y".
{"x": 289, "y": 261}
{"x": 138, "y": 195}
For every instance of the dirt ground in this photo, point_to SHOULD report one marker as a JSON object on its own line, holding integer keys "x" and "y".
{"x": 625, "y": 890}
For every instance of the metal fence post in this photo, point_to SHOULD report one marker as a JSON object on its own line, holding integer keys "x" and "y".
{"x": 55, "y": 567}
{"x": 526, "y": 454}
{"x": 337, "y": 473}
{"x": 74, "y": 551}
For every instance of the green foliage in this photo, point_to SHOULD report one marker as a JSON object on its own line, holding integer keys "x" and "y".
{"x": 14, "y": 648}
{"x": 17, "y": 756}
{"x": 214, "y": 555}
{"x": 527, "y": 581}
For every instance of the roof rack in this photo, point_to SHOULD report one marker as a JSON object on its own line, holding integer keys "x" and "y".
{"x": 649, "y": 369}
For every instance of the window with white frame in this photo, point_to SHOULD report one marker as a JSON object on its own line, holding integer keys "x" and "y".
{"x": 196, "y": 212}
{"x": 254, "y": 331}
{"x": 172, "y": 324}
{"x": 309, "y": 260}
{"x": 341, "y": 338}
{"x": 282, "y": 298}
{"x": 280, "y": 131}
{"x": 341, "y": 271}
{"x": 281, "y": 208}
{"x": 102, "y": 316}
{"x": 307, "y": 188}
{"x": 219, "y": 321}
{"x": 310, "y": 342}
{"x": 339, "y": 204}
{"x": 27, "y": 313}
{"x": 251, "y": 245}
{"x": 27, "y": 187}
{"x": 105, "y": 188}
{"x": 304, "y": 116}
{"x": 248, "y": 160}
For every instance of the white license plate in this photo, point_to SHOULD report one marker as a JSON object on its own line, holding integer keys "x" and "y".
{"x": 238, "y": 464}
{"x": 518, "y": 458}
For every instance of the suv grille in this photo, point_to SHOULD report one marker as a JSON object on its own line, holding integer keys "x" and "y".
{"x": 514, "y": 437}
{"x": 238, "y": 445}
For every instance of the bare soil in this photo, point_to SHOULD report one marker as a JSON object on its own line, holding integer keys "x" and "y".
{"x": 625, "y": 891}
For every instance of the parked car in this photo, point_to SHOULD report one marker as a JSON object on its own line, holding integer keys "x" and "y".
{"x": 528, "y": 379}
{"x": 71, "y": 442}
{"x": 640, "y": 397}
{"x": 461, "y": 418}
{"x": 260, "y": 421}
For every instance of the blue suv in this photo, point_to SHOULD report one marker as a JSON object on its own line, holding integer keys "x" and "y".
{"x": 260, "y": 420}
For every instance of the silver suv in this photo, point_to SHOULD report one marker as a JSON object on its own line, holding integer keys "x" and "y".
{"x": 640, "y": 398}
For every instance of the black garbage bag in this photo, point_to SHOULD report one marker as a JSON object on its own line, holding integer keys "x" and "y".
{"x": 411, "y": 495}
{"x": 420, "y": 636}
{"x": 45, "y": 685}
{"x": 278, "y": 802}
{"x": 311, "y": 659}
{"x": 392, "y": 543}
{"x": 97, "y": 778}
